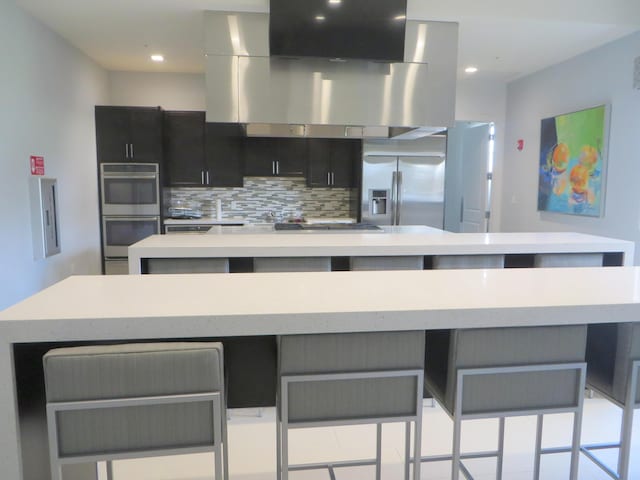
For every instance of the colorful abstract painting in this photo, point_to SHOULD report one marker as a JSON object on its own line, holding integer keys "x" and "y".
{"x": 572, "y": 162}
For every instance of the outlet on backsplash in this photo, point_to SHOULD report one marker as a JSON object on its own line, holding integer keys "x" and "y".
{"x": 287, "y": 197}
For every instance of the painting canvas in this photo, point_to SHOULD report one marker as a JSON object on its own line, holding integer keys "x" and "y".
{"x": 572, "y": 162}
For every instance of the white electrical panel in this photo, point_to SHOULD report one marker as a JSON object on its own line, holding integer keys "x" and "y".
{"x": 45, "y": 224}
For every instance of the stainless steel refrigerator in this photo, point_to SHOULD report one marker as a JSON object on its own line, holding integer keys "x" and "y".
{"x": 403, "y": 190}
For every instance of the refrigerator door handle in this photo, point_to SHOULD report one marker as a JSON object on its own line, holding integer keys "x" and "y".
{"x": 399, "y": 198}
{"x": 394, "y": 200}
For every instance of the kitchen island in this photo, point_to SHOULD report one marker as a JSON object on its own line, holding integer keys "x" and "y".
{"x": 111, "y": 309}
{"x": 263, "y": 241}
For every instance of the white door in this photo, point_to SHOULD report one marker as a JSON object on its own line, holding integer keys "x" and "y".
{"x": 469, "y": 160}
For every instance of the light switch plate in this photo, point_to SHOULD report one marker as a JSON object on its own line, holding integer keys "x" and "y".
{"x": 636, "y": 74}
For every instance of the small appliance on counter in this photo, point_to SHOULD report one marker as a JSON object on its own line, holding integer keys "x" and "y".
{"x": 341, "y": 227}
{"x": 185, "y": 209}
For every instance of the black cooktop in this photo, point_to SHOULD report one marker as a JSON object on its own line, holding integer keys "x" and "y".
{"x": 326, "y": 226}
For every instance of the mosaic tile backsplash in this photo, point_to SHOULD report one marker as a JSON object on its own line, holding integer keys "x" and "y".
{"x": 268, "y": 199}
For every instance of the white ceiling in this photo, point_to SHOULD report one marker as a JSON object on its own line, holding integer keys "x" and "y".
{"x": 505, "y": 39}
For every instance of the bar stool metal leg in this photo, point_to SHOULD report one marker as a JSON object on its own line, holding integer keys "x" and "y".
{"x": 536, "y": 459}
{"x": 624, "y": 456}
{"x": 378, "y": 451}
{"x": 457, "y": 427}
{"x": 278, "y": 446}
{"x": 417, "y": 438}
{"x": 575, "y": 446}
{"x": 407, "y": 449}
{"x": 500, "y": 456}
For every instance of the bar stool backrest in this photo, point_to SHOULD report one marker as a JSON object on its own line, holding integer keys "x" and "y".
{"x": 399, "y": 262}
{"x": 187, "y": 265}
{"x": 510, "y": 347}
{"x": 133, "y": 371}
{"x": 467, "y": 261}
{"x": 351, "y": 352}
{"x": 549, "y": 260}
{"x": 628, "y": 350}
{"x": 292, "y": 264}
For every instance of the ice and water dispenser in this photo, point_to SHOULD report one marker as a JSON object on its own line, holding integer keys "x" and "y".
{"x": 379, "y": 202}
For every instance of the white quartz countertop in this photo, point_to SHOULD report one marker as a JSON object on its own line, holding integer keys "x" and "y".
{"x": 412, "y": 240}
{"x": 139, "y": 306}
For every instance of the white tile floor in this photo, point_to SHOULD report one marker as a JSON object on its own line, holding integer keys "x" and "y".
{"x": 252, "y": 448}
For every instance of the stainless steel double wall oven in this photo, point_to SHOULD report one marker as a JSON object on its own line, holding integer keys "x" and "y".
{"x": 130, "y": 206}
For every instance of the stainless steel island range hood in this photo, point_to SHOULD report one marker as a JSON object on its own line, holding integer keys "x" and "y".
{"x": 330, "y": 98}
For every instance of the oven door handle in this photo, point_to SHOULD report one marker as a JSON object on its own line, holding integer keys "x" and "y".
{"x": 151, "y": 176}
{"x": 139, "y": 218}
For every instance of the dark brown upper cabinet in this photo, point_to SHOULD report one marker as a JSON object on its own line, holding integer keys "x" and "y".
{"x": 333, "y": 162}
{"x": 199, "y": 154}
{"x": 129, "y": 134}
{"x": 275, "y": 157}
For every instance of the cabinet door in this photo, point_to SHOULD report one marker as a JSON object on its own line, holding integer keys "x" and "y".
{"x": 145, "y": 135}
{"x": 223, "y": 152}
{"x": 292, "y": 157}
{"x": 260, "y": 155}
{"x": 319, "y": 154}
{"x": 345, "y": 157}
{"x": 184, "y": 149}
{"x": 112, "y": 134}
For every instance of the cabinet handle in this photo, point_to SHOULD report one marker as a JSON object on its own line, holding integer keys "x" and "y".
{"x": 328, "y": 178}
{"x": 277, "y": 167}
{"x": 333, "y": 178}
{"x": 126, "y": 150}
{"x": 132, "y": 155}
{"x": 207, "y": 177}
{"x": 273, "y": 167}
{"x": 202, "y": 177}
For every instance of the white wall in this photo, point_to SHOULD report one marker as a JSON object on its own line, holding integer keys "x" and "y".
{"x": 600, "y": 76}
{"x": 171, "y": 91}
{"x": 48, "y": 90}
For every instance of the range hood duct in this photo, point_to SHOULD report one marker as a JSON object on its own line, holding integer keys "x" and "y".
{"x": 312, "y": 97}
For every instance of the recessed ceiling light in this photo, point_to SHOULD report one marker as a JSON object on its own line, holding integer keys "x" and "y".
{"x": 471, "y": 69}
{"x": 335, "y": 2}
{"x": 400, "y": 17}
{"x": 157, "y": 58}
{"x": 320, "y": 18}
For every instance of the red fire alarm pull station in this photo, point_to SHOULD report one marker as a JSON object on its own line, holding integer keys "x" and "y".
{"x": 37, "y": 165}
{"x": 520, "y": 145}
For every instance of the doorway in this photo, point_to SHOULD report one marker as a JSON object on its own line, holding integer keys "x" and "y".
{"x": 470, "y": 156}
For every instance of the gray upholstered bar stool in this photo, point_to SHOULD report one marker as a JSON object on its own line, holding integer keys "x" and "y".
{"x": 135, "y": 400}
{"x": 613, "y": 359}
{"x": 395, "y": 262}
{"x": 547, "y": 260}
{"x": 348, "y": 379}
{"x": 187, "y": 265}
{"x": 502, "y": 372}
{"x": 467, "y": 261}
{"x": 292, "y": 264}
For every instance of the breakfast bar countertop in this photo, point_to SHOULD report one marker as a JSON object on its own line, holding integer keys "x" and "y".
{"x": 262, "y": 241}
{"x": 130, "y": 307}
